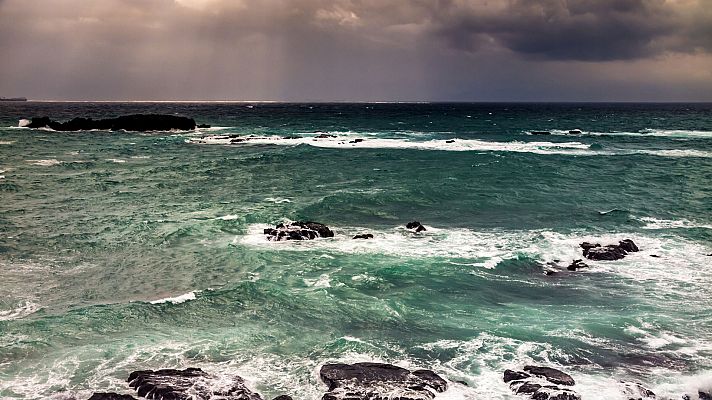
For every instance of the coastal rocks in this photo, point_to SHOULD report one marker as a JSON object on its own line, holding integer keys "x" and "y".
{"x": 575, "y": 132}
{"x": 136, "y": 122}
{"x": 190, "y": 383}
{"x": 636, "y": 391}
{"x": 415, "y": 226}
{"x": 324, "y": 136}
{"x": 111, "y": 396}
{"x": 376, "y": 381}
{"x": 612, "y": 252}
{"x": 299, "y": 230}
{"x": 356, "y": 141}
{"x": 541, "y": 383}
{"x": 576, "y": 265}
{"x": 363, "y": 236}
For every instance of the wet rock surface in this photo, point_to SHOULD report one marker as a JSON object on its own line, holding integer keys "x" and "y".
{"x": 110, "y": 396}
{"x": 636, "y": 391}
{"x": 541, "y": 383}
{"x": 416, "y": 226}
{"x": 611, "y": 252}
{"x": 299, "y": 230}
{"x": 135, "y": 122}
{"x": 190, "y": 383}
{"x": 376, "y": 381}
{"x": 363, "y": 236}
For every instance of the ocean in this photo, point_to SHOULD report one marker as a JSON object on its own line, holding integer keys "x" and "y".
{"x": 122, "y": 251}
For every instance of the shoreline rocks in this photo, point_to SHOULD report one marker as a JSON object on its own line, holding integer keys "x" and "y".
{"x": 110, "y": 396}
{"x": 134, "y": 122}
{"x": 363, "y": 236}
{"x": 541, "y": 383}
{"x": 415, "y": 226}
{"x": 298, "y": 230}
{"x": 377, "y": 381}
{"x": 182, "y": 384}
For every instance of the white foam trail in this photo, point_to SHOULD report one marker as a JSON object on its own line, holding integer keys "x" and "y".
{"x": 539, "y": 147}
{"x": 24, "y": 309}
{"x": 277, "y": 200}
{"x": 229, "y": 217}
{"x": 655, "y": 223}
{"x": 23, "y": 123}
{"x": 116, "y": 160}
{"x": 45, "y": 163}
{"x": 6, "y": 142}
{"x": 667, "y": 133}
{"x": 178, "y": 299}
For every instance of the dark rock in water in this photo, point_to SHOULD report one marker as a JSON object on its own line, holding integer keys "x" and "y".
{"x": 526, "y": 383}
{"x": 324, "y": 136}
{"x": 376, "y": 381}
{"x": 364, "y": 236}
{"x": 191, "y": 383}
{"x": 636, "y": 391}
{"x": 551, "y": 374}
{"x": 577, "y": 264}
{"x": 356, "y": 141}
{"x": 283, "y": 397}
{"x": 136, "y": 122}
{"x": 628, "y": 245}
{"x": 575, "y": 132}
{"x": 654, "y": 256}
{"x": 540, "y": 133}
{"x": 299, "y": 230}
{"x": 203, "y": 126}
{"x": 415, "y": 225}
{"x": 111, "y": 396}
{"x": 612, "y": 252}
{"x": 450, "y": 141}
{"x": 510, "y": 375}
{"x": 292, "y": 137}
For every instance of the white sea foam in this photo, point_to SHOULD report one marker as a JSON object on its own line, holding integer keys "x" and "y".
{"x": 6, "y": 142}
{"x": 22, "y": 310}
{"x": 229, "y": 217}
{"x": 45, "y": 163}
{"x": 278, "y": 200}
{"x": 655, "y": 223}
{"x": 178, "y": 299}
{"x": 23, "y": 123}
{"x": 538, "y": 147}
{"x": 116, "y": 160}
{"x": 668, "y": 133}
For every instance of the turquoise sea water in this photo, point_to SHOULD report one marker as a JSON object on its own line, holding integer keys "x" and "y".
{"x": 123, "y": 251}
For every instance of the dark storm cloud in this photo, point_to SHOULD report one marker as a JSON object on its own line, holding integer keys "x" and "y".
{"x": 354, "y": 49}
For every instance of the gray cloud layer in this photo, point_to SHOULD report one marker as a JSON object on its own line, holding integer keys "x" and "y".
{"x": 357, "y": 49}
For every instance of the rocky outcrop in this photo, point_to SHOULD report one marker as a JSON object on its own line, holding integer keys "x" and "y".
{"x": 190, "y": 383}
{"x": 415, "y": 226}
{"x": 110, "y": 396}
{"x": 611, "y": 252}
{"x": 541, "y": 383}
{"x": 136, "y": 122}
{"x": 299, "y": 230}
{"x": 575, "y": 132}
{"x": 376, "y": 381}
{"x": 364, "y": 236}
{"x": 576, "y": 265}
{"x": 636, "y": 391}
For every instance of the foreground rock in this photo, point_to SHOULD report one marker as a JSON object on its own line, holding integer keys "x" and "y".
{"x": 191, "y": 383}
{"x": 576, "y": 265}
{"x": 364, "y": 236}
{"x": 136, "y": 122}
{"x": 111, "y": 396}
{"x": 375, "y": 381}
{"x": 299, "y": 230}
{"x": 636, "y": 391}
{"x": 541, "y": 383}
{"x": 611, "y": 252}
{"x": 416, "y": 226}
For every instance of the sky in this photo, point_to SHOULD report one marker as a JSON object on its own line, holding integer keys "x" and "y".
{"x": 357, "y": 50}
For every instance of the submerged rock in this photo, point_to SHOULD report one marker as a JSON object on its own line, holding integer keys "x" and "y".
{"x": 636, "y": 391}
{"x": 535, "y": 382}
{"x": 363, "y": 236}
{"x": 135, "y": 122}
{"x": 299, "y": 230}
{"x": 416, "y": 226}
{"x": 190, "y": 383}
{"x": 376, "y": 381}
{"x": 576, "y": 265}
{"x": 110, "y": 396}
{"x": 575, "y": 132}
{"x": 611, "y": 252}
{"x": 324, "y": 136}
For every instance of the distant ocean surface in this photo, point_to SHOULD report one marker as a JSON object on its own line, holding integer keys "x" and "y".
{"x": 122, "y": 251}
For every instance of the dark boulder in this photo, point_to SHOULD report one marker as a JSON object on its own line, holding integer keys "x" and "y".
{"x": 576, "y": 265}
{"x": 299, "y": 230}
{"x": 636, "y": 391}
{"x": 111, "y": 396}
{"x": 324, "y": 136}
{"x": 356, "y": 141}
{"x": 510, "y": 375}
{"x": 136, "y": 122}
{"x": 190, "y": 383}
{"x": 376, "y": 381}
{"x": 450, "y": 141}
{"x": 575, "y": 132}
{"x": 364, "y": 236}
{"x": 203, "y": 126}
{"x": 416, "y": 226}
{"x": 283, "y": 397}
{"x": 612, "y": 252}
{"x": 551, "y": 374}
